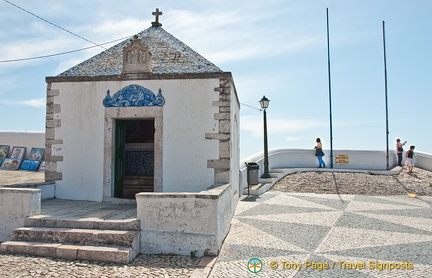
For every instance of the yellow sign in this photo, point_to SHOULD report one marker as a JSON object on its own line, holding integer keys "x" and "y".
{"x": 342, "y": 159}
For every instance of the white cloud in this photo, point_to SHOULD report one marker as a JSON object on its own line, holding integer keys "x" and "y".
{"x": 36, "y": 103}
{"x": 213, "y": 35}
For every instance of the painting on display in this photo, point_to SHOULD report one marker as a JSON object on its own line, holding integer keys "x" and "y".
{"x": 10, "y": 164}
{"x": 18, "y": 152}
{"x": 30, "y": 165}
{"x": 36, "y": 154}
{"x": 42, "y": 166}
{"x": 4, "y": 149}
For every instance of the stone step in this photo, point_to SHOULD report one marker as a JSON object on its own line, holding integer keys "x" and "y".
{"x": 86, "y": 223}
{"x": 78, "y": 236}
{"x": 258, "y": 189}
{"x": 121, "y": 255}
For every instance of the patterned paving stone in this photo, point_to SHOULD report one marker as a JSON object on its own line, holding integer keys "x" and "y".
{"x": 352, "y": 220}
{"x": 357, "y": 236}
{"x": 305, "y": 236}
{"x": 266, "y": 209}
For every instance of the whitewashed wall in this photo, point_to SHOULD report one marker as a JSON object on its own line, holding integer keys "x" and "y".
{"x": 28, "y": 139}
{"x": 305, "y": 158}
{"x": 423, "y": 160}
{"x": 187, "y": 115}
{"x": 210, "y": 210}
{"x": 15, "y": 205}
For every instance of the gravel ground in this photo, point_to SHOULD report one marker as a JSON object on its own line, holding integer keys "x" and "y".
{"x": 420, "y": 182}
{"x": 20, "y": 266}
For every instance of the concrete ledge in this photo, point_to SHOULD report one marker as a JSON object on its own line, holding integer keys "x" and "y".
{"x": 287, "y": 171}
{"x": 122, "y": 255}
{"x": 180, "y": 223}
{"x": 41, "y": 221}
{"x": 47, "y": 188}
{"x": 15, "y": 205}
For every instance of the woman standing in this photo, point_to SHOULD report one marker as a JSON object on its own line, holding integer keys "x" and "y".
{"x": 399, "y": 151}
{"x": 319, "y": 153}
{"x": 410, "y": 157}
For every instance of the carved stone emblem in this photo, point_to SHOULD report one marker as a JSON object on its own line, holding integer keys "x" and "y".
{"x": 136, "y": 57}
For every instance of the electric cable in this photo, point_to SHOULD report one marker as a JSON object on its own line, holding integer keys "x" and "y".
{"x": 61, "y": 53}
{"x": 53, "y": 24}
{"x": 251, "y": 106}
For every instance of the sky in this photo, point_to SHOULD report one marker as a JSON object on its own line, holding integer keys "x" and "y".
{"x": 276, "y": 48}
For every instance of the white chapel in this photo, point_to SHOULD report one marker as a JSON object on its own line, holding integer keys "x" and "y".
{"x": 146, "y": 115}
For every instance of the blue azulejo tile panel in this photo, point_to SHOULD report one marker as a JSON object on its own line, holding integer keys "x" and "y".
{"x": 134, "y": 95}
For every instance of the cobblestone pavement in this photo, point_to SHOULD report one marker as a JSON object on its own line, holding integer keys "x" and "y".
{"x": 19, "y": 266}
{"x": 329, "y": 235}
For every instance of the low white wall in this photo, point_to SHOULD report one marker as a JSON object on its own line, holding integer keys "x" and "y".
{"x": 47, "y": 189}
{"x": 15, "y": 205}
{"x": 305, "y": 158}
{"x": 423, "y": 160}
{"x": 29, "y": 139}
{"x": 181, "y": 223}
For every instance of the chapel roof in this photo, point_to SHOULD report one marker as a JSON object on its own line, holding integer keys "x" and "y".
{"x": 169, "y": 56}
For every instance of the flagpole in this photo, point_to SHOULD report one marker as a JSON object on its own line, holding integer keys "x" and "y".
{"x": 329, "y": 84}
{"x": 386, "y": 101}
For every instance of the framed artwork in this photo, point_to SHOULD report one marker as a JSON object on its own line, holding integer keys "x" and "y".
{"x": 36, "y": 154}
{"x": 10, "y": 164}
{"x": 4, "y": 149}
{"x": 42, "y": 166}
{"x": 30, "y": 165}
{"x": 18, "y": 152}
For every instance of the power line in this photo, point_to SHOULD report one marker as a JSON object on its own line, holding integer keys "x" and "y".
{"x": 251, "y": 106}
{"x": 53, "y": 24}
{"x": 61, "y": 53}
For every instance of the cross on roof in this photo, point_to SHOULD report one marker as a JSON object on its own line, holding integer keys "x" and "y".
{"x": 157, "y": 13}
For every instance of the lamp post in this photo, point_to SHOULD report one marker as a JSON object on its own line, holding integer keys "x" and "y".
{"x": 264, "y": 102}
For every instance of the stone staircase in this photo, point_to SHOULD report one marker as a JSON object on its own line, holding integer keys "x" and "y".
{"x": 115, "y": 241}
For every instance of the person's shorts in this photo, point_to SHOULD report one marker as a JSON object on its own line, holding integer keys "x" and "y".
{"x": 410, "y": 161}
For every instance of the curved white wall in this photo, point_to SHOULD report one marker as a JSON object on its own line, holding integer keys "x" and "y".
{"x": 305, "y": 158}
{"x": 28, "y": 139}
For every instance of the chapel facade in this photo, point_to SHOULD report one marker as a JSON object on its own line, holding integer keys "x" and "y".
{"x": 146, "y": 115}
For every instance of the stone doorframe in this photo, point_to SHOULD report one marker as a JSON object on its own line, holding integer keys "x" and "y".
{"x": 129, "y": 113}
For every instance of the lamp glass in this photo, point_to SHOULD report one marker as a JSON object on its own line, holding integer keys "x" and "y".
{"x": 264, "y": 102}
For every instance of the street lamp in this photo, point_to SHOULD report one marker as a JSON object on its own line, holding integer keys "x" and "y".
{"x": 264, "y": 102}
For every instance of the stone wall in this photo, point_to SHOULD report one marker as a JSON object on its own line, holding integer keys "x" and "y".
{"x": 221, "y": 165}
{"x": 181, "y": 223}
{"x": 15, "y": 205}
{"x": 52, "y": 144}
